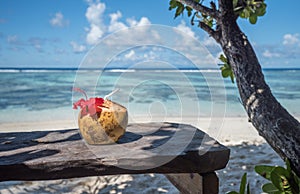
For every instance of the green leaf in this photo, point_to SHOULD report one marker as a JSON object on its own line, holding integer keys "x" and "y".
{"x": 253, "y": 19}
{"x": 288, "y": 166}
{"x": 264, "y": 171}
{"x": 293, "y": 178}
{"x": 269, "y": 188}
{"x": 248, "y": 189}
{"x": 232, "y": 192}
{"x": 179, "y": 10}
{"x": 225, "y": 73}
{"x": 282, "y": 172}
{"x": 261, "y": 10}
{"x": 297, "y": 180}
{"x": 210, "y": 22}
{"x": 173, "y": 4}
{"x": 243, "y": 184}
{"x": 246, "y": 13}
{"x": 223, "y": 58}
{"x": 277, "y": 181}
{"x": 193, "y": 18}
{"x": 207, "y": 20}
{"x": 189, "y": 11}
{"x": 235, "y": 3}
{"x": 226, "y": 70}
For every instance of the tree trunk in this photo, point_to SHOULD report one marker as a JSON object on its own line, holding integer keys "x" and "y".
{"x": 280, "y": 129}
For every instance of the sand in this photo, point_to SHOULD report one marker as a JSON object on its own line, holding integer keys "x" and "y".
{"x": 247, "y": 150}
{"x": 230, "y": 130}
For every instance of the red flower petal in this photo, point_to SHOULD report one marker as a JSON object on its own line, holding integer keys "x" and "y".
{"x": 94, "y": 105}
{"x": 91, "y": 106}
{"x": 79, "y": 103}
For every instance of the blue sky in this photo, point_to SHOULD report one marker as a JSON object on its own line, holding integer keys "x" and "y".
{"x": 59, "y": 33}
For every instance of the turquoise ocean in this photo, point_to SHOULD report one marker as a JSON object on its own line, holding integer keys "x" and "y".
{"x": 31, "y": 95}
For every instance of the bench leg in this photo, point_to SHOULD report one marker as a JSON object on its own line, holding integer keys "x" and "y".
{"x": 190, "y": 183}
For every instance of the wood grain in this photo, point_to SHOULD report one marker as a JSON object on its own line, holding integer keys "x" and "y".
{"x": 194, "y": 183}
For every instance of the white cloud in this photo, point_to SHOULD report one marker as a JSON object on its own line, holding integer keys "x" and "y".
{"x": 291, "y": 39}
{"x": 94, "y": 15}
{"x": 12, "y": 39}
{"x": 210, "y": 42}
{"x": 58, "y": 20}
{"x": 143, "y": 21}
{"x": 37, "y": 43}
{"x": 189, "y": 44}
{"x": 151, "y": 55}
{"x": 115, "y": 16}
{"x": 131, "y": 22}
{"x": 77, "y": 48}
{"x": 127, "y": 36}
{"x": 94, "y": 34}
{"x": 114, "y": 23}
{"x": 15, "y": 43}
{"x": 96, "y": 30}
{"x": 138, "y": 55}
{"x": 187, "y": 30}
{"x": 130, "y": 55}
{"x": 94, "y": 12}
{"x": 269, "y": 54}
{"x": 213, "y": 47}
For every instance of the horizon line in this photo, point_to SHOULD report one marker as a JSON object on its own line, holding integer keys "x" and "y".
{"x": 128, "y": 68}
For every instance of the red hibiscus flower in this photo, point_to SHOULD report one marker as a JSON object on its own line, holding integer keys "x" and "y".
{"x": 88, "y": 106}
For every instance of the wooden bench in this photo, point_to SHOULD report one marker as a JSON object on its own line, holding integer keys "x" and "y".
{"x": 187, "y": 156}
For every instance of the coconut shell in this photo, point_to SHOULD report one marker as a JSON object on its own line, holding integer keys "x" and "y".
{"x": 106, "y": 127}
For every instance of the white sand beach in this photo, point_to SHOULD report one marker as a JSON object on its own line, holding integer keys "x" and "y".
{"x": 247, "y": 150}
{"x": 229, "y": 130}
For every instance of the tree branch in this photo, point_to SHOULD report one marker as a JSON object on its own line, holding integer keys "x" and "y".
{"x": 201, "y": 8}
{"x": 213, "y": 33}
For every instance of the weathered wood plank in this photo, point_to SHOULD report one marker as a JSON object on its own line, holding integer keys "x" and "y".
{"x": 194, "y": 183}
{"x": 145, "y": 148}
{"x": 210, "y": 183}
{"x": 187, "y": 183}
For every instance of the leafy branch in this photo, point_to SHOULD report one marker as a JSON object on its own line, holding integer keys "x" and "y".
{"x": 205, "y": 16}
{"x": 193, "y": 5}
{"x": 226, "y": 68}
{"x": 209, "y": 19}
{"x": 282, "y": 180}
{"x": 249, "y": 9}
{"x": 244, "y": 186}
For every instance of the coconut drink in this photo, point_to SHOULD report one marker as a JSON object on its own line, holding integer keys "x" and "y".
{"x": 100, "y": 120}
